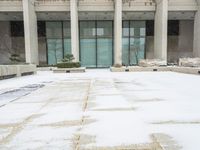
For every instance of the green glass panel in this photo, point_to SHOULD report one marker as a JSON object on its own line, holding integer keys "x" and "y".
{"x": 88, "y": 43}
{"x": 104, "y": 52}
{"x": 137, "y": 50}
{"x": 104, "y": 29}
{"x": 55, "y": 51}
{"x": 104, "y": 43}
{"x": 67, "y": 29}
{"x": 125, "y": 51}
{"x": 88, "y": 52}
{"x": 137, "y": 28}
{"x": 125, "y": 32}
{"x": 87, "y": 29}
{"x": 67, "y": 46}
{"x": 54, "y": 29}
{"x": 125, "y": 43}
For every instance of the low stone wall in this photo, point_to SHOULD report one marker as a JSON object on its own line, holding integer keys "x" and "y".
{"x": 139, "y": 69}
{"x": 187, "y": 70}
{"x": 7, "y": 71}
{"x": 189, "y": 62}
{"x": 152, "y": 63}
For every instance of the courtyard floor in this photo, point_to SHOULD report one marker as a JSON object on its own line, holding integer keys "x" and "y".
{"x": 100, "y": 110}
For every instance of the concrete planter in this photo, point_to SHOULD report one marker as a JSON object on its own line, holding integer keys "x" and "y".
{"x": 7, "y": 71}
{"x": 69, "y": 70}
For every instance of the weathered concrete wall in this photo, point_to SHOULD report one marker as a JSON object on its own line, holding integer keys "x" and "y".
{"x": 150, "y": 47}
{"x": 178, "y": 46}
{"x": 9, "y": 45}
{"x": 182, "y": 45}
{"x": 18, "y": 46}
{"x": 5, "y": 42}
{"x": 16, "y": 70}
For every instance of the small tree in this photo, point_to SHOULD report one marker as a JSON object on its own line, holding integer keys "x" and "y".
{"x": 15, "y": 58}
{"x": 68, "y": 58}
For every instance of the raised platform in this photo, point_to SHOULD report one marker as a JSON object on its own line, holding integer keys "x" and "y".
{"x": 139, "y": 69}
{"x": 69, "y": 70}
{"x": 187, "y": 70}
{"x": 9, "y": 71}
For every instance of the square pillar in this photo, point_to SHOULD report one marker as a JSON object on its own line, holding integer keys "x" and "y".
{"x": 30, "y": 32}
{"x": 74, "y": 29}
{"x": 118, "y": 33}
{"x": 196, "y": 44}
{"x": 161, "y": 24}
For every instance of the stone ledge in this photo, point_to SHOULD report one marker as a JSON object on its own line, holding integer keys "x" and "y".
{"x": 187, "y": 70}
{"x": 139, "y": 69}
{"x": 152, "y": 63}
{"x": 7, "y": 71}
{"x": 69, "y": 70}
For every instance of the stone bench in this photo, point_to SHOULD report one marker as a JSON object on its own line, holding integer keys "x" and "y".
{"x": 69, "y": 70}
{"x": 8, "y": 71}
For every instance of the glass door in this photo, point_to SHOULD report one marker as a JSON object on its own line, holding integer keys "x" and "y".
{"x": 54, "y": 42}
{"x": 58, "y": 37}
{"x": 125, "y": 43}
{"x": 96, "y": 43}
{"x": 134, "y": 33}
{"x": 137, "y": 41}
{"x": 104, "y": 44}
{"x": 88, "y": 43}
{"x": 67, "y": 37}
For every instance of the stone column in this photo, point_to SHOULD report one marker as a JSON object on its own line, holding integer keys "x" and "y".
{"x": 74, "y": 29}
{"x": 196, "y": 45}
{"x": 30, "y": 32}
{"x": 161, "y": 23}
{"x": 118, "y": 33}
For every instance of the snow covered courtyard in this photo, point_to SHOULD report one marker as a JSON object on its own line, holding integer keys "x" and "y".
{"x": 100, "y": 110}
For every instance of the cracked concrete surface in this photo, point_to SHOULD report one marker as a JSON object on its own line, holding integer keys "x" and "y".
{"x": 100, "y": 111}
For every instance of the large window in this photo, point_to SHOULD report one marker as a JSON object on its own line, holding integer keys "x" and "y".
{"x": 96, "y": 43}
{"x": 133, "y": 42}
{"x": 58, "y": 41}
{"x": 88, "y": 43}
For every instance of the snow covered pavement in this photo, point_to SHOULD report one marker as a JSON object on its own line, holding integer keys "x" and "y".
{"x": 100, "y": 110}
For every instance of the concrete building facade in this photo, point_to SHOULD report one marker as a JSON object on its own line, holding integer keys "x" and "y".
{"x": 99, "y": 33}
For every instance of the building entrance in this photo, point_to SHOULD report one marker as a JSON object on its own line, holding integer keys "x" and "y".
{"x": 96, "y": 43}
